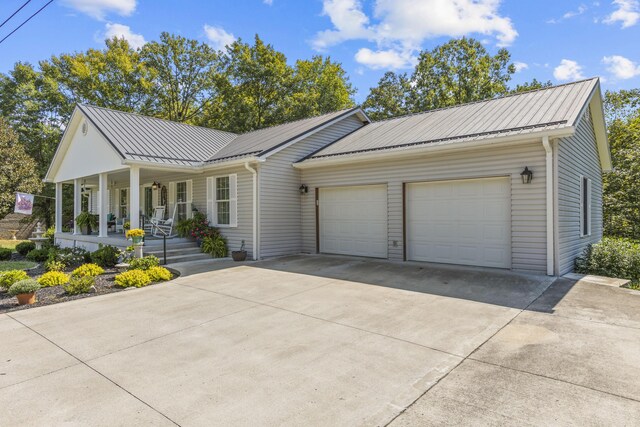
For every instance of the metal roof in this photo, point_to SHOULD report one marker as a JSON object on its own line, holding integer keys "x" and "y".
{"x": 550, "y": 108}
{"x": 262, "y": 141}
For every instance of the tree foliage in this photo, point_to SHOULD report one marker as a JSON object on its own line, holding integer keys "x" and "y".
{"x": 534, "y": 84}
{"x": 18, "y": 171}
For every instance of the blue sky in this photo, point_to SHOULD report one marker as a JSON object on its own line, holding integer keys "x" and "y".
{"x": 550, "y": 40}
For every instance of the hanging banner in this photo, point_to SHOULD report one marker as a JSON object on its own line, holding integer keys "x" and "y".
{"x": 24, "y": 203}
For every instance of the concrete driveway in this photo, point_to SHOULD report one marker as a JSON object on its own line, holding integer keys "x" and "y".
{"x": 328, "y": 341}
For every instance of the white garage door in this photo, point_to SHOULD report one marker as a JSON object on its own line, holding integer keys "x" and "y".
{"x": 460, "y": 222}
{"x": 353, "y": 220}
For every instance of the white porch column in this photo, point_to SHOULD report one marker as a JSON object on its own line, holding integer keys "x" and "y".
{"x": 134, "y": 196}
{"x": 103, "y": 205}
{"x": 77, "y": 204}
{"x": 58, "y": 214}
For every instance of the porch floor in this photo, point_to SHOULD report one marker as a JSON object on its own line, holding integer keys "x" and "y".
{"x": 117, "y": 239}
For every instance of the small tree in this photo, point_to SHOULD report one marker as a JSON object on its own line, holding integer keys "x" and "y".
{"x": 18, "y": 171}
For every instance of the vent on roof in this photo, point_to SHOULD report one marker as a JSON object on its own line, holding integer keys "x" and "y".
{"x": 85, "y": 128}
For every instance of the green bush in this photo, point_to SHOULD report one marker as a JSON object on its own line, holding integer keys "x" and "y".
{"x": 25, "y": 286}
{"x": 24, "y": 248}
{"x": 106, "y": 256}
{"x": 215, "y": 246}
{"x": 38, "y": 255}
{"x": 613, "y": 257}
{"x": 50, "y": 234}
{"x": 92, "y": 270}
{"x": 53, "y": 278}
{"x": 8, "y": 278}
{"x": 79, "y": 285}
{"x": 53, "y": 265}
{"x": 144, "y": 263}
{"x": 132, "y": 278}
{"x": 159, "y": 274}
{"x": 5, "y": 254}
{"x": 70, "y": 257}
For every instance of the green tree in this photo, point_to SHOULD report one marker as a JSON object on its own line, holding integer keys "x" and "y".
{"x": 18, "y": 171}
{"x": 532, "y": 85}
{"x": 390, "y": 98}
{"x": 186, "y": 76}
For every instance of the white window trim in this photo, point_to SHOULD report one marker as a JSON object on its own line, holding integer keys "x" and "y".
{"x": 119, "y": 203}
{"x": 212, "y": 206}
{"x": 582, "y": 204}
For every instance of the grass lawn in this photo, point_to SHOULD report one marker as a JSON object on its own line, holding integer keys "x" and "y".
{"x": 11, "y": 244}
{"x": 16, "y": 265}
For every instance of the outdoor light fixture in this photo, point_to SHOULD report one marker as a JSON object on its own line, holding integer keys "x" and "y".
{"x": 527, "y": 175}
{"x": 155, "y": 185}
{"x": 303, "y": 189}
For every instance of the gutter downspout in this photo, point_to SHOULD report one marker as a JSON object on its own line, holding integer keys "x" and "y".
{"x": 549, "y": 192}
{"x": 256, "y": 245}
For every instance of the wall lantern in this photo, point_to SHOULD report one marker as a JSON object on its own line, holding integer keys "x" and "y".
{"x": 155, "y": 185}
{"x": 303, "y": 189}
{"x": 527, "y": 175}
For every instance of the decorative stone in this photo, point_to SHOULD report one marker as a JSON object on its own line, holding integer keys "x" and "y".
{"x": 37, "y": 236}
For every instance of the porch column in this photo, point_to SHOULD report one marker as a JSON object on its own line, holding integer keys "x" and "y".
{"x": 103, "y": 205}
{"x": 134, "y": 194}
{"x": 58, "y": 214}
{"x": 77, "y": 204}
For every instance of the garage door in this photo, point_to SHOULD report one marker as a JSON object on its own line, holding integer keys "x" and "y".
{"x": 353, "y": 220}
{"x": 460, "y": 222}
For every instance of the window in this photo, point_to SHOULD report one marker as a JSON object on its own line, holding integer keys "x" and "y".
{"x": 585, "y": 206}
{"x": 181, "y": 200}
{"x": 223, "y": 201}
{"x": 148, "y": 201}
{"x": 123, "y": 202}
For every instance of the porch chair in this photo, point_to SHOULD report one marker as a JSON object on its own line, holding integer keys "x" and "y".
{"x": 165, "y": 227}
{"x": 120, "y": 224}
{"x": 157, "y": 216}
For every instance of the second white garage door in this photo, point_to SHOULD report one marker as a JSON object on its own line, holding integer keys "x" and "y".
{"x": 460, "y": 222}
{"x": 353, "y": 220}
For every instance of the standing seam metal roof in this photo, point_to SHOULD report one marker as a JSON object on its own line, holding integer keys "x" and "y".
{"x": 548, "y": 108}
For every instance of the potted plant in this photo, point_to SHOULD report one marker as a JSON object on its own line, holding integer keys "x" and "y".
{"x": 240, "y": 255}
{"x": 25, "y": 291}
{"x": 87, "y": 221}
{"x": 136, "y": 235}
{"x": 216, "y": 246}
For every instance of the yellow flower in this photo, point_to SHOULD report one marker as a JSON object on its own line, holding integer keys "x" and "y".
{"x": 135, "y": 232}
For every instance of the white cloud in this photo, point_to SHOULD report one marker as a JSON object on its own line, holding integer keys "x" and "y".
{"x": 402, "y": 26}
{"x": 627, "y": 12}
{"x": 124, "y": 32}
{"x": 218, "y": 37}
{"x": 268, "y": 2}
{"x": 568, "y": 70}
{"x": 571, "y": 14}
{"x": 98, "y": 9}
{"x": 621, "y": 67}
{"x": 520, "y": 66}
{"x": 384, "y": 59}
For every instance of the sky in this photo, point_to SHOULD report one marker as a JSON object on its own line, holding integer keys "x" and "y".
{"x": 557, "y": 40}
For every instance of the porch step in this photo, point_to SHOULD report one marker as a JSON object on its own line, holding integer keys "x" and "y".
{"x": 172, "y": 251}
{"x": 177, "y": 251}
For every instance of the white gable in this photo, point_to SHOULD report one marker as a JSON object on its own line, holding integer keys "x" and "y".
{"x": 83, "y": 154}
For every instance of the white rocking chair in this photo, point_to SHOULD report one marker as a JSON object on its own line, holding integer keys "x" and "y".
{"x": 158, "y": 215}
{"x": 164, "y": 227}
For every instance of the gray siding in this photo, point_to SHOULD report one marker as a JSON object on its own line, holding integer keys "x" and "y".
{"x": 234, "y": 235}
{"x": 577, "y": 155}
{"x": 281, "y": 224}
{"x": 528, "y": 229}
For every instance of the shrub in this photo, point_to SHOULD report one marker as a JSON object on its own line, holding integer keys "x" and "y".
{"x": 10, "y": 277}
{"x": 70, "y": 257}
{"x": 50, "y": 234}
{"x": 215, "y": 246}
{"x": 25, "y": 286}
{"x": 159, "y": 274}
{"x": 91, "y": 270}
{"x": 5, "y": 254}
{"x": 53, "y": 265}
{"x": 144, "y": 263}
{"x": 38, "y": 255}
{"x": 106, "y": 256}
{"x": 24, "y": 248}
{"x": 132, "y": 278}
{"x": 79, "y": 285}
{"x": 53, "y": 278}
{"x": 613, "y": 257}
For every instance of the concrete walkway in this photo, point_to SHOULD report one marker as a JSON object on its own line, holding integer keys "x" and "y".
{"x": 328, "y": 341}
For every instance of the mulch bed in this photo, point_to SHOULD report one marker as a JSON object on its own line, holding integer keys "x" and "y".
{"x": 55, "y": 294}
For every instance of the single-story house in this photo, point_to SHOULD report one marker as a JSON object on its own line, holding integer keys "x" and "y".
{"x": 513, "y": 182}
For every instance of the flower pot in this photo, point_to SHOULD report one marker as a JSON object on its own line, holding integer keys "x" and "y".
{"x": 137, "y": 240}
{"x": 87, "y": 230}
{"x": 199, "y": 241}
{"x": 239, "y": 255}
{"x": 29, "y": 298}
